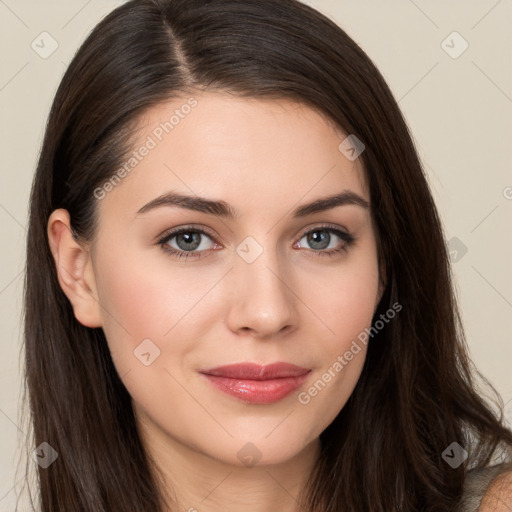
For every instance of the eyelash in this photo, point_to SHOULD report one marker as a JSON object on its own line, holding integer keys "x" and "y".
{"x": 348, "y": 239}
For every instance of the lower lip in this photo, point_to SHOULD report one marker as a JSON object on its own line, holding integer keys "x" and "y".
{"x": 257, "y": 391}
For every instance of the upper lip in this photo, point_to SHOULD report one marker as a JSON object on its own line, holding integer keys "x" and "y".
{"x": 253, "y": 371}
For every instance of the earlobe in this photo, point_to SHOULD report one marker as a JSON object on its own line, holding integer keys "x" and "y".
{"x": 74, "y": 269}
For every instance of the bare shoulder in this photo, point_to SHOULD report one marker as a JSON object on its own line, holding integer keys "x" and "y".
{"x": 498, "y": 497}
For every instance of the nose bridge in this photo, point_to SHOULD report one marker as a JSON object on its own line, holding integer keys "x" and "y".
{"x": 263, "y": 298}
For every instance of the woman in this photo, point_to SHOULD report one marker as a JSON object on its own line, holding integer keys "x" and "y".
{"x": 238, "y": 292}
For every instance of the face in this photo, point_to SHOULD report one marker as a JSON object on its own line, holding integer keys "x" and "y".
{"x": 256, "y": 278}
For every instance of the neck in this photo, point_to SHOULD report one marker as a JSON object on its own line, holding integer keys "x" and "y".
{"x": 196, "y": 482}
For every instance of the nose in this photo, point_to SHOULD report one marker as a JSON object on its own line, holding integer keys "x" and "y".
{"x": 263, "y": 299}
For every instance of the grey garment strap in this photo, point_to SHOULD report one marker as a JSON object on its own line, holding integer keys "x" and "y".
{"x": 476, "y": 484}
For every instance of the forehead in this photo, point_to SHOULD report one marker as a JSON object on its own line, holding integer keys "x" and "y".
{"x": 246, "y": 151}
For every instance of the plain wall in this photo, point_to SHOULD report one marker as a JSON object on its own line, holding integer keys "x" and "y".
{"x": 459, "y": 109}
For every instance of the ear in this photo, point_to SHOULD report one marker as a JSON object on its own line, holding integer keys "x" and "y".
{"x": 74, "y": 269}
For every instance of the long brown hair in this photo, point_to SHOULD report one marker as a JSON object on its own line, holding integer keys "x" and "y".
{"x": 417, "y": 391}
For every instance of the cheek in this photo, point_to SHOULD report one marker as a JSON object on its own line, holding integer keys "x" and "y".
{"x": 346, "y": 306}
{"x": 145, "y": 298}
{"x": 346, "y": 302}
{"x": 142, "y": 295}
{"x": 144, "y": 313}
{"x": 328, "y": 392}
{"x": 137, "y": 301}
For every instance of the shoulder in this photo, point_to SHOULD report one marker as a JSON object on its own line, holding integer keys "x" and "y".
{"x": 498, "y": 497}
{"x": 487, "y": 489}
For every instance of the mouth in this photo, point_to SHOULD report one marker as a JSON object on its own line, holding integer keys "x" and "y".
{"x": 256, "y": 384}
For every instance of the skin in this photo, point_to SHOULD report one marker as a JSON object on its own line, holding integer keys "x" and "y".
{"x": 265, "y": 158}
{"x": 498, "y": 497}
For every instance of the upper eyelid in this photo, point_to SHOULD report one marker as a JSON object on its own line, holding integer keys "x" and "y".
{"x": 327, "y": 227}
{"x": 176, "y": 231}
{"x": 169, "y": 234}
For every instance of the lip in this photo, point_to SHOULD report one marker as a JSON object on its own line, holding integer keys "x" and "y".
{"x": 257, "y": 384}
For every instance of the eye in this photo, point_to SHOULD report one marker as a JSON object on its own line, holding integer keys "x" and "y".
{"x": 188, "y": 240}
{"x": 320, "y": 238}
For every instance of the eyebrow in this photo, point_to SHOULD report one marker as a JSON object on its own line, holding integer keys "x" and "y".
{"x": 223, "y": 209}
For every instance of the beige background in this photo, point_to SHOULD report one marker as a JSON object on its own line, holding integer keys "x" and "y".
{"x": 459, "y": 110}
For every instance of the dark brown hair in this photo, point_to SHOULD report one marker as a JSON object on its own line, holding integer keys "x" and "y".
{"x": 417, "y": 391}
